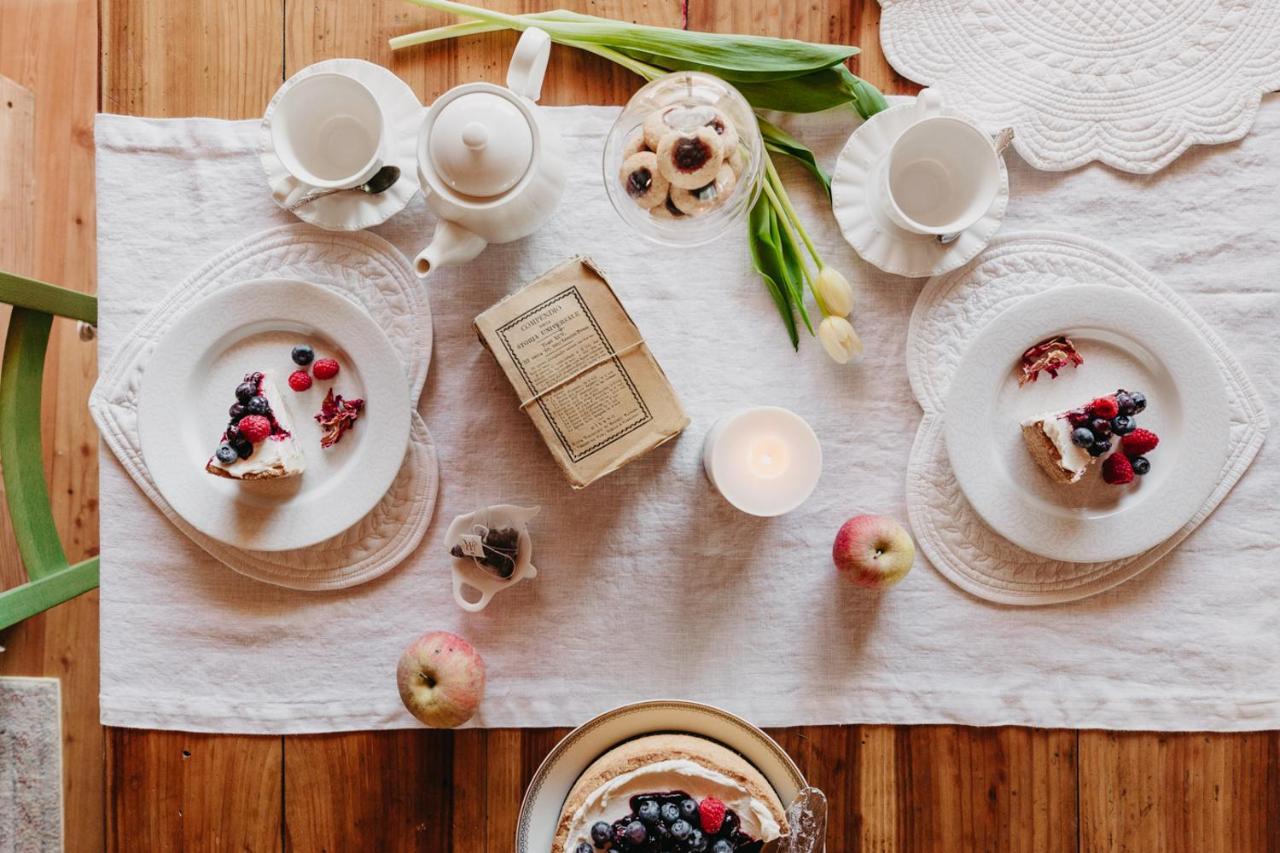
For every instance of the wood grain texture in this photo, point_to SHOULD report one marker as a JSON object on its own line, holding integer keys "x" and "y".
{"x": 386, "y": 791}
{"x": 1142, "y": 791}
{"x": 220, "y": 58}
{"x": 317, "y": 30}
{"x": 180, "y": 791}
{"x": 891, "y": 788}
{"x": 49, "y": 49}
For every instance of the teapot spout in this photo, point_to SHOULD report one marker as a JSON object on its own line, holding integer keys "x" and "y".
{"x": 450, "y": 244}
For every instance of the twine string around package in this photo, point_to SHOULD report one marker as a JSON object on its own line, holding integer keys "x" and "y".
{"x": 556, "y": 386}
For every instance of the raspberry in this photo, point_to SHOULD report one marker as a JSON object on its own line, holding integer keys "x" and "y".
{"x": 711, "y": 814}
{"x": 255, "y": 428}
{"x": 1117, "y": 470}
{"x": 299, "y": 380}
{"x": 1105, "y": 407}
{"x": 1139, "y": 442}
{"x": 325, "y": 368}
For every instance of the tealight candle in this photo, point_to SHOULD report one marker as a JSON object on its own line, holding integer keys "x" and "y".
{"x": 765, "y": 461}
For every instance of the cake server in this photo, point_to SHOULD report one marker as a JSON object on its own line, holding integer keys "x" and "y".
{"x": 807, "y": 816}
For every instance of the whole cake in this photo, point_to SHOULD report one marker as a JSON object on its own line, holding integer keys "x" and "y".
{"x": 670, "y": 792}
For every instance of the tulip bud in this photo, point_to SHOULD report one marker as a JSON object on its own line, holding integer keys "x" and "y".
{"x": 839, "y": 339}
{"x": 834, "y": 291}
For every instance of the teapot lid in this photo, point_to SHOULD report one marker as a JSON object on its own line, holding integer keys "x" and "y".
{"x": 481, "y": 144}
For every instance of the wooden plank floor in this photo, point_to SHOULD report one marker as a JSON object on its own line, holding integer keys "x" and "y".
{"x": 892, "y": 788}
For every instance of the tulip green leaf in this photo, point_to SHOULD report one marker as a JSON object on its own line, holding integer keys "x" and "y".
{"x": 766, "y": 258}
{"x": 780, "y": 141}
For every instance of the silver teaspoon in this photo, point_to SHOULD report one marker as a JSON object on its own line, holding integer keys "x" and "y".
{"x": 1002, "y": 140}
{"x": 381, "y": 181}
{"x": 807, "y": 816}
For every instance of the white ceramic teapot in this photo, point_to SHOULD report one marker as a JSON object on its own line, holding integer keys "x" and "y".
{"x": 491, "y": 163}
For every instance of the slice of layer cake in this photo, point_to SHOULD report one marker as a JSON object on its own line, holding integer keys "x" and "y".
{"x": 670, "y": 792}
{"x": 1066, "y": 444}
{"x": 258, "y": 443}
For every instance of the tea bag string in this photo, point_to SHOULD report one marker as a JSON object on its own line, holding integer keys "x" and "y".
{"x": 556, "y": 386}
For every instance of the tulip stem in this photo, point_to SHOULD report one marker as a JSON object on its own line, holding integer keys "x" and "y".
{"x": 771, "y": 186}
{"x": 789, "y": 210}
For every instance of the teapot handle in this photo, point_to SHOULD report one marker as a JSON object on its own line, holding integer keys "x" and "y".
{"x": 529, "y": 63}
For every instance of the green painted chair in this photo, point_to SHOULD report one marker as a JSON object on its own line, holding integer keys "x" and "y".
{"x": 51, "y": 579}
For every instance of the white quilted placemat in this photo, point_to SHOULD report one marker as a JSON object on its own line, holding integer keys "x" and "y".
{"x": 359, "y": 266}
{"x": 950, "y": 312}
{"x": 1132, "y": 84}
{"x": 648, "y": 583}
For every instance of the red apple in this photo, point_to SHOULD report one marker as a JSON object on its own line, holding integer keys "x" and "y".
{"x": 873, "y": 551}
{"x": 441, "y": 679}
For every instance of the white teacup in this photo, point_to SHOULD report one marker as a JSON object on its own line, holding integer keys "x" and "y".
{"x": 327, "y": 131}
{"x": 942, "y": 173}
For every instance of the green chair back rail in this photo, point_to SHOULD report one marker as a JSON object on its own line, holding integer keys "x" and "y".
{"x": 50, "y": 578}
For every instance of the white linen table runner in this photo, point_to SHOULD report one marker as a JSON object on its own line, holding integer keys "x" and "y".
{"x": 649, "y": 584}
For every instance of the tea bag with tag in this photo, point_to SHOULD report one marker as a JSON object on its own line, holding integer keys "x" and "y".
{"x": 491, "y": 550}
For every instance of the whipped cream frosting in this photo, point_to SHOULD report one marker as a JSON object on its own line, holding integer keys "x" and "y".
{"x": 612, "y": 800}
{"x": 276, "y": 451}
{"x": 1058, "y": 429}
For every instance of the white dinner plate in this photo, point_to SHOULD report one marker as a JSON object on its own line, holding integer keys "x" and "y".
{"x": 190, "y": 383}
{"x": 1127, "y": 341}
{"x": 547, "y": 791}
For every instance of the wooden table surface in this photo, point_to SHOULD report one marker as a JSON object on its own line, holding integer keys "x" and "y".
{"x": 921, "y": 788}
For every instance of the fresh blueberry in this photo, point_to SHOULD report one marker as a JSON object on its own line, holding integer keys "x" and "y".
{"x": 731, "y": 823}
{"x": 1099, "y": 448}
{"x": 601, "y": 832}
{"x": 1139, "y": 401}
{"x": 1124, "y": 402}
{"x": 1082, "y": 436}
{"x": 722, "y": 845}
{"x": 303, "y": 355}
{"x": 1101, "y": 427}
{"x": 1141, "y": 465}
{"x": 258, "y": 406}
{"x": 636, "y": 833}
{"x": 245, "y": 390}
{"x": 648, "y": 811}
{"x": 227, "y": 454}
{"x": 689, "y": 810}
{"x": 236, "y": 411}
{"x": 243, "y": 447}
{"x": 584, "y": 847}
{"x": 697, "y": 842}
{"x": 670, "y": 813}
{"x": 680, "y": 830}
{"x": 1123, "y": 425}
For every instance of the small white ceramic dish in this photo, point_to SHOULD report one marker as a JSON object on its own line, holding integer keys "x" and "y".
{"x": 858, "y": 187}
{"x": 545, "y": 796}
{"x": 354, "y": 210}
{"x": 1128, "y": 341}
{"x": 190, "y": 382}
{"x": 475, "y": 586}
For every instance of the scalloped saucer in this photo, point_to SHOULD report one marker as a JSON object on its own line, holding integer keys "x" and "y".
{"x": 353, "y": 211}
{"x": 855, "y": 200}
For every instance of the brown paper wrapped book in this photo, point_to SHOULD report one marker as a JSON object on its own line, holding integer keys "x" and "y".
{"x": 582, "y": 371}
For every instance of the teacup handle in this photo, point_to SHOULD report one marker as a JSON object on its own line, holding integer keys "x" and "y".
{"x": 486, "y": 593}
{"x": 529, "y": 63}
{"x": 930, "y": 100}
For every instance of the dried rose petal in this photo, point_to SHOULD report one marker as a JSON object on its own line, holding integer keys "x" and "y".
{"x": 1049, "y": 355}
{"x": 337, "y": 416}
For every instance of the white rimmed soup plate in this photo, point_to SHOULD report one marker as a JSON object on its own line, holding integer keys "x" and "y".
{"x": 1128, "y": 341}
{"x": 190, "y": 382}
